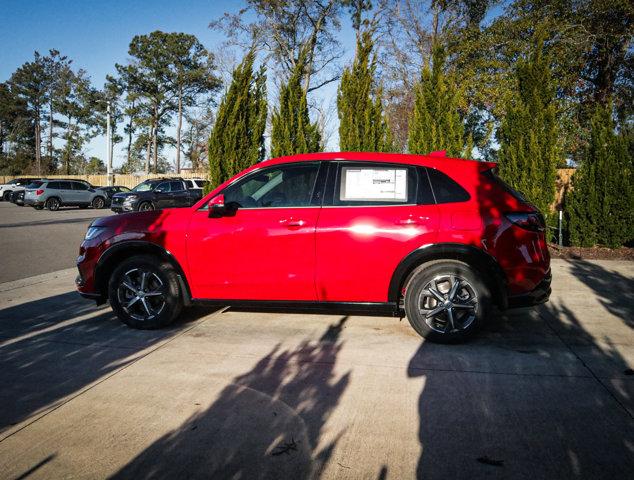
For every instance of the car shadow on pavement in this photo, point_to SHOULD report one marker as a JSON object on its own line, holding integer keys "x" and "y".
{"x": 266, "y": 423}
{"x": 614, "y": 290}
{"x": 52, "y": 348}
{"x": 534, "y": 395}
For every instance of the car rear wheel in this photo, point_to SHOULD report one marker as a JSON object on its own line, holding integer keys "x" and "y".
{"x": 98, "y": 203}
{"x": 145, "y": 206}
{"x": 144, "y": 292}
{"x": 52, "y": 204}
{"x": 446, "y": 301}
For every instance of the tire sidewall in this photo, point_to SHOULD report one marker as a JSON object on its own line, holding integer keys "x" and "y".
{"x": 168, "y": 276}
{"x": 141, "y": 209}
{"x": 49, "y": 204}
{"x": 96, "y": 205}
{"x": 425, "y": 273}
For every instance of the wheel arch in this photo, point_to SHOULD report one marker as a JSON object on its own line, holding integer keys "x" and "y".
{"x": 120, "y": 251}
{"x": 472, "y": 256}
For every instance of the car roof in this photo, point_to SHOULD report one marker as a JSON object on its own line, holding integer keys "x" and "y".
{"x": 433, "y": 159}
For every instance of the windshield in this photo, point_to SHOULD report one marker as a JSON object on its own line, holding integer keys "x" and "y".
{"x": 144, "y": 187}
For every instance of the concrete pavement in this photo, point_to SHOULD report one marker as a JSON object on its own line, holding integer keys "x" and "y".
{"x": 544, "y": 393}
{"x": 33, "y": 241}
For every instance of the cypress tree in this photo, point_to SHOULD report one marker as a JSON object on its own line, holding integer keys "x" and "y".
{"x": 362, "y": 125}
{"x": 237, "y": 138}
{"x": 600, "y": 207}
{"x": 435, "y": 123}
{"x": 528, "y": 136}
{"x": 292, "y": 131}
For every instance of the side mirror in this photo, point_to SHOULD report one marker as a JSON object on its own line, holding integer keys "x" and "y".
{"x": 218, "y": 208}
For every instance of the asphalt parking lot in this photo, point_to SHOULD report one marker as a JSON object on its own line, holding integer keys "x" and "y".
{"x": 38, "y": 241}
{"x": 540, "y": 393}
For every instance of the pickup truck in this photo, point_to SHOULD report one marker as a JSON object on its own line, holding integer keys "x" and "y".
{"x": 156, "y": 194}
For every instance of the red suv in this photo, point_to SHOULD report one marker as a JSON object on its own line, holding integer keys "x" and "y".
{"x": 441, "y": 239}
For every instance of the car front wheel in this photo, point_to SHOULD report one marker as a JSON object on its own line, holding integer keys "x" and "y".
{"x": 98, "y": 203}
{"x": 446, "y": 301}
{"x": 144, "y": 292}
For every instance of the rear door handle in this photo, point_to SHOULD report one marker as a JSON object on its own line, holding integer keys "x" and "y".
{"x": 411, "y": 220}
{"x": 292, "y": 222}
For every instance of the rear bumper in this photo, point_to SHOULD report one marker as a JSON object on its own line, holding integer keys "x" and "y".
{"x": 540, "y": 294}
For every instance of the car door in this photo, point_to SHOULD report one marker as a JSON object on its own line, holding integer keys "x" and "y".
{"x": 162, "y": 198}
{"x": 65, "y": 193}
{"x": 178, "y": 192}
{"x": 81, "y": 193}
{"x": 374, "y": 215}
{"x": 266, "y": 251}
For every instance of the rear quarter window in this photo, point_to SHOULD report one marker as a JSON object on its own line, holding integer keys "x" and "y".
{"x": 446, "y": 190}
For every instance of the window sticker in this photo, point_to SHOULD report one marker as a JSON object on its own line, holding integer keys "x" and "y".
{"x": 372, "y": 184}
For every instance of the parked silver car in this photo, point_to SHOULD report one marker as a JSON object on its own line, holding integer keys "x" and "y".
{"x": 53, "y": 194}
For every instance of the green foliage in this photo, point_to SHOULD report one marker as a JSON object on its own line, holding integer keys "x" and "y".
{"x": 237, "y": 139}
{"x": 528, "y": 135}
{"x": 601, "y": 203}
{"x": 435, "y": 123}
{"x": 362, "y": 125}
{"x": 292, "y": 131}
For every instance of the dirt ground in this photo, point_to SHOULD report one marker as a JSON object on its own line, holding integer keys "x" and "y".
{"x": 591, "y": 253}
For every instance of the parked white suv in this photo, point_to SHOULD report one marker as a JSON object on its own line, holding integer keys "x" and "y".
{"x": 15, "y": 184}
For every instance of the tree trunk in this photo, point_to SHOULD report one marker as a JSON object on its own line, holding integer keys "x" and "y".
{"x": 50, "y": 131}
{"x": 130, "y": 139}
{"x": 154, "y": 140}
{"x": 67, "y": 160}
{"x": 148, "y": 152}
{"x": 178, "y": 131}
{"x": 38, "y": 143}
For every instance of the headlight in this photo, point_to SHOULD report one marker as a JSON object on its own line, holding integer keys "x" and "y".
{"x": 92, "y": 232}
{"x": 131, "y": 198}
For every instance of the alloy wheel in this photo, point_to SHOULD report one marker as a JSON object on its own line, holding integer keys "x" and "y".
{"x": 448, "y": 304}
{"x": 142, "y": 294}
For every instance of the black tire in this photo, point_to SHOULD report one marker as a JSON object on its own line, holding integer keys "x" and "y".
{"x": 52, "y": 204}
{"x": 148, "y": 312}
{"x": 456, "y": 318}
{"x": 145, "y": 206}
{"x": 98, "y": 203}
{"x": 5, "y": 196}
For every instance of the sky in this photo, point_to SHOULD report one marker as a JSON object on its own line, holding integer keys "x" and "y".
{"x": 96, "y": 35}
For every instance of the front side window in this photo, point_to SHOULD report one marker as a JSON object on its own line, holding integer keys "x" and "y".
{"x": 275, "y": 187}
{"x": 375, "y": 184}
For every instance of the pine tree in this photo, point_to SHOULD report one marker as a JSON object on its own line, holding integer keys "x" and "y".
{"x": 435, "y": 123}
{"x": 528, "y": 136}
{"x": 292, "y": 132}
{"x": 601, "y": 203}
{"x": 237, "y": 139}
{"x": 362, "y": 125}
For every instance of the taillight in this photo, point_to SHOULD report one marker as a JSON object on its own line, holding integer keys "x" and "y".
{"x": 39, "y": 192}
{"x": 532, "y": 221}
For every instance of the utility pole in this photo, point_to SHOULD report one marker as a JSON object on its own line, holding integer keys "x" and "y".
{"x": 109, "y": 147}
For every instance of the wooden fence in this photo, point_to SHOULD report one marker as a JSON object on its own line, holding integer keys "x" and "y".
{"x": 564, "y": 175}
{"x": 123, "y": 180}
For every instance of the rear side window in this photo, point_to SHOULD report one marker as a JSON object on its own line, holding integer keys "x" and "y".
{"x": 176, "y": 186}
{"x": 189, "y": 183}
{"x": 445, "y": 189}
{"x": 53, "y": 185}
{"x": 79, "y": 186}
{"x": 375, "y": 184}
{"x": 34, "y": 184}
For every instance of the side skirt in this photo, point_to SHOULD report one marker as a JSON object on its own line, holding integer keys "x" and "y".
{"x": 282, "y": 306}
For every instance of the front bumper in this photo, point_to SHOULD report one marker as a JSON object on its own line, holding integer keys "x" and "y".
{"x": 540, "y": 294}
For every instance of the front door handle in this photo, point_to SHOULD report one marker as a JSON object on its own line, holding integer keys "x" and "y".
{"x": 292, "y": 222}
